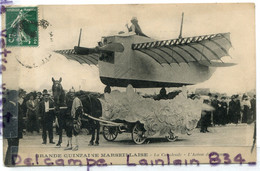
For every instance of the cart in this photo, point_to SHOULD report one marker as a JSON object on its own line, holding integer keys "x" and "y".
{"x": 111, "y": 129}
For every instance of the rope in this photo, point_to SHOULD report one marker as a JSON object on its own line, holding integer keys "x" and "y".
{"x": 60, "y": 108}
{"x": 101, "y": 120}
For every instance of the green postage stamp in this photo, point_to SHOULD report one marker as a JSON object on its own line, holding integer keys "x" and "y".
{"x": 22, "y": 26}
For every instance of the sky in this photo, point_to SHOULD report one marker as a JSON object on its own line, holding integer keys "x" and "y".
{"x": 158, "y": 21}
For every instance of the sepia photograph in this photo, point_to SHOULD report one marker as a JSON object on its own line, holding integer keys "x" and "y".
{"x": 129, "y": 84}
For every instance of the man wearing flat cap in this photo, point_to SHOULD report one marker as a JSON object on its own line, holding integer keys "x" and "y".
{"x": 46, "y": 109}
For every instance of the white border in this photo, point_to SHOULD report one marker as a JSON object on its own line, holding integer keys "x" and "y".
{"x": 137, "y": 168}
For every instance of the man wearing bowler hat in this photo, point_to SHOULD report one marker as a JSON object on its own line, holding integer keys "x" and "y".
{"x": 47, "y": 117}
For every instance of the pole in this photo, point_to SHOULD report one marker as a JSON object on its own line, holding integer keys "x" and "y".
{"x": 180, "y": 36}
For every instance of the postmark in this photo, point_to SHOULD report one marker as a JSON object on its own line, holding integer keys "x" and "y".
{"x": 22, "y": 26}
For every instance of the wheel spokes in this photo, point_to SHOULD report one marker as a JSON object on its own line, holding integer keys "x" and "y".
{"x": 110, "y": 133}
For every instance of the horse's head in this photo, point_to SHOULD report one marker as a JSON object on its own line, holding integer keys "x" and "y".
{"x": 57, "y": 89}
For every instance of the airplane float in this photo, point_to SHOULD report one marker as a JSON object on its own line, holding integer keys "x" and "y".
{"x": 144, "y": 62}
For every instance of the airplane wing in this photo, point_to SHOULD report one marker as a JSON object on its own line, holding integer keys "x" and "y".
{"x": 90, "y": 59}
{"x": 90, "y": 56}
{"x": 201, "y": 49}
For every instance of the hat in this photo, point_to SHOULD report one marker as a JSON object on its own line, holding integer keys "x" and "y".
{"x": 223, "y": 97}
{"x": 134, "y": 19}
{"x": 72, "y": 90}
{"x": 244, "y": 96}
{"x": 45, "y": 92}
{"x": 11, "y": 95}
{"x": 21, "y": 92}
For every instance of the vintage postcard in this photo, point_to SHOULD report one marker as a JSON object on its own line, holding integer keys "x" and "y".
{"x": 153, "y": 84}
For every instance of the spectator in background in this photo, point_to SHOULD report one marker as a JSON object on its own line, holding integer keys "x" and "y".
{"x": 232, "y": 110}
{"x": 205, "y": 118}
{"x": 245, "y": 106}
{"x": 12, "y": 121}
{"x": 237, "y": 110}
{"x": 215, "y": 105}
{"x": 253, "y": 108}
{"x": 31, "y": 115}
{"x": 37, "y": 106}
{"x": 46, "y": 109}
{"x": 223, "y": 118}
{"x": 21, "y": 108}
{"x": 162, "y": 95}
{"x": 107, "y": 89}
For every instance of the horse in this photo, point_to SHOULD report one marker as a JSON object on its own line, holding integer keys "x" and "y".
{"x": 59, "y": 101}
{"x": 91, "y": 106}
{"x": 58, "y": 92}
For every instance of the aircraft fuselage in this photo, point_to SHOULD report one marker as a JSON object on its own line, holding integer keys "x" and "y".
{"x": 141, "y": 71}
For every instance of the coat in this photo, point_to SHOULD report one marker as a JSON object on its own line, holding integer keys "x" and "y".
{"x": 47, "y": 118}
{"x": 12, "y": 120}
{"x": 31, "y": 108}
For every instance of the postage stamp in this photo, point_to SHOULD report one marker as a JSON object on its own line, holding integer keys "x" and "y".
{"x": 22, "y": 26}
{"x": 128, "y": 88}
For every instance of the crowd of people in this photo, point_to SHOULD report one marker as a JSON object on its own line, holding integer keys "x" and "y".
{"x": 40, "y": 113}
{"x": 236, "y": 110}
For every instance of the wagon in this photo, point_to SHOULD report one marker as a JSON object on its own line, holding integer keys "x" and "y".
{"x": 111, "y": 129}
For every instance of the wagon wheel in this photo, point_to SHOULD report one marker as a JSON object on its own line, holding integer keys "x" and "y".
{"x": 138, "y": 134}
{"x": 110, "y": 133}
{"x": 171, "y": 137}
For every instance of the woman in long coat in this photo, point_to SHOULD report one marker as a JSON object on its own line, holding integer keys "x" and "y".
{"x": 246, "y": 106}
{"x": 31, "y": 115}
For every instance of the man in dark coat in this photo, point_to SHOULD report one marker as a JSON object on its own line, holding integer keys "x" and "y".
{"x": 12, "y": 123}
{"x": 215, "y": 105}
{"x": 237, "y": 110}
{"x": 232, "y": 110}
{"x": 246, "y": 106}
{"x": 253, "y": 107}
{"x": 223, "y": 118}
{"x": 47, "y": 117}
{"x": 205, "y": 118}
